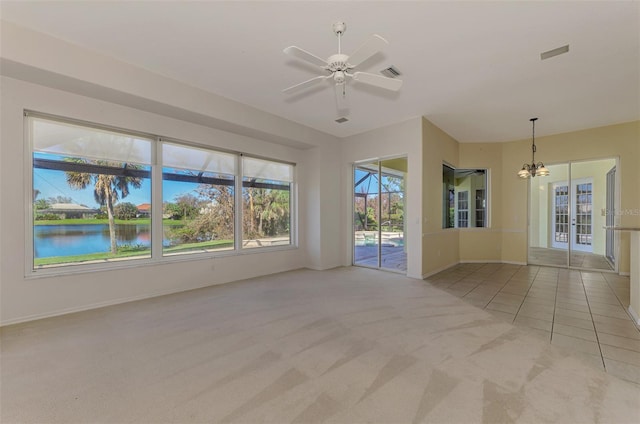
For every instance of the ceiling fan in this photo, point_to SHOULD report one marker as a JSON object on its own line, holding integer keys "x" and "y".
{"x": 339, "y": 66}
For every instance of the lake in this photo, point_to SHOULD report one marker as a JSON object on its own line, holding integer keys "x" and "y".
{"x": 68, "y": 240}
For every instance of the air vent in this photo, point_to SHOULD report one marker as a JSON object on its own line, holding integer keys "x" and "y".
{"x": 391, "y": 72}
{"x": 554, "y": 52}
{"x": 341, "y": 120}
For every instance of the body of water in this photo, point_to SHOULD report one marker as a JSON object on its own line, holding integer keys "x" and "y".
{"x": 68, "y": 240}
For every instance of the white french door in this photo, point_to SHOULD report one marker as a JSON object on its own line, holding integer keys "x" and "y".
{"x": 572, "y": 215}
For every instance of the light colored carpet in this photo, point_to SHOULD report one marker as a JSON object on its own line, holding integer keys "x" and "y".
{"x": 349, "y": 345}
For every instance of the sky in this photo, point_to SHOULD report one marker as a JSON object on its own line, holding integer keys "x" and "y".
{"x": 53, "y": 183}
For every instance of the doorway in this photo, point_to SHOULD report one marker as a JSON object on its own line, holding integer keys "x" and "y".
{"x": 379, "y": 203}
{"x": 566, "y": 227}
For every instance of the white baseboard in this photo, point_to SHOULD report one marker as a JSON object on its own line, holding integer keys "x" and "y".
{"x": 634, "y": 315}
{"x": 465, "y": 261}
{"x": 625, "y": 274}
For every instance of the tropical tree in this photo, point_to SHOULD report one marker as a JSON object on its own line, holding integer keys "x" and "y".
{"x": 107, "y": 189}
{"x": 188, "y": 205}
{"x": 125, "y": 210}
{"x": 267, "y": 212}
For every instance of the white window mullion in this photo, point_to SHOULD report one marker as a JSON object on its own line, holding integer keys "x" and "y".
{"x": 28, "y": 178}
{"x": 157, "y": 230}
{"x": 237, "y": 216}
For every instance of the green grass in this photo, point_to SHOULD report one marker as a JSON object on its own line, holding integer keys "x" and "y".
{"x": 93, "y": 221}
{"x": 130, "y": 251}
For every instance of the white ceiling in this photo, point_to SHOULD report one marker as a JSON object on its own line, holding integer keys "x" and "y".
{"x": 472, "y": 68}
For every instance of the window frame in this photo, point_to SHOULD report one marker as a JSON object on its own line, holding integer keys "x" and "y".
{"x": 156, "y": 227}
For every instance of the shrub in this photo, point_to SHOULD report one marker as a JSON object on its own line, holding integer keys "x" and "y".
{"x": 47, "y": 217}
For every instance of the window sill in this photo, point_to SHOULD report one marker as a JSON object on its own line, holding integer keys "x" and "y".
{"x": 117, "y": 265}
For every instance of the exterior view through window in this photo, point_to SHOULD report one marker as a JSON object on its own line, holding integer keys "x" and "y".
{"x": 266, "y": 203}
{"x": 198, "y": 199}
{"x": 92, "y": 197}
{"x": 87, "y": 186}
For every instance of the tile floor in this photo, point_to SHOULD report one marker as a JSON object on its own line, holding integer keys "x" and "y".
{"x": 584, "y": 312}
{"x": 558, "y": 257}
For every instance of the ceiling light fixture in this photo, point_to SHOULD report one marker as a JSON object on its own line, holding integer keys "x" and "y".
{"x": 535, "y": 168}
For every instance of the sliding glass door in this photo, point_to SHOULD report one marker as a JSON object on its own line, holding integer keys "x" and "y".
{"x": 378, "y": 214}
{"x": 568, "y": 212}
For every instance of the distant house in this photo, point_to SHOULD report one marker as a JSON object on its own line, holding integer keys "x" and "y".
{"x": 70, "y": 210}
{"x": 144, "y": 210}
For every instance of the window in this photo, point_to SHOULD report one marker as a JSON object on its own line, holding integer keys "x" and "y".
{"x": 266, "y": 203}
{"x": 463, "y": 209}
{"x": 198, "y": 192}
{"x": 86, "y": 185}
{"x": 458, "y": 209}
{"x": 93, "y": 204}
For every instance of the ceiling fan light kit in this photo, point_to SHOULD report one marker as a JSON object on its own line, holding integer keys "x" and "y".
{"x": 340, "y": 66}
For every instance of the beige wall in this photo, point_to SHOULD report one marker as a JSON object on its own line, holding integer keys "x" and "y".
{"x": 440, "y": 247}
{"x": 484, "y": 244}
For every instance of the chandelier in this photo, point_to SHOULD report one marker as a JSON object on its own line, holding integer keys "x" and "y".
{"x": 535, "y": 168}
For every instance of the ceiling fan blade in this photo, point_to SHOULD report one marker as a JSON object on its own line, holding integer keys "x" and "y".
{"x": 341, "y": 99}
{"x": 378, "y": 81}
{"x": 372, "y": 46}
{"x": 305, "y": 84}
{"x": 297, "y": 52}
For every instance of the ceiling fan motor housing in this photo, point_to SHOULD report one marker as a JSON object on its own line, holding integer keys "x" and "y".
{"x": 339, "y": 28}
{"x": 338, "y": 62}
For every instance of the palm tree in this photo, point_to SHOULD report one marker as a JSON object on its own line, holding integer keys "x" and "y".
{"x": 271, "y": 208}
{"x": 105, "y": 188}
